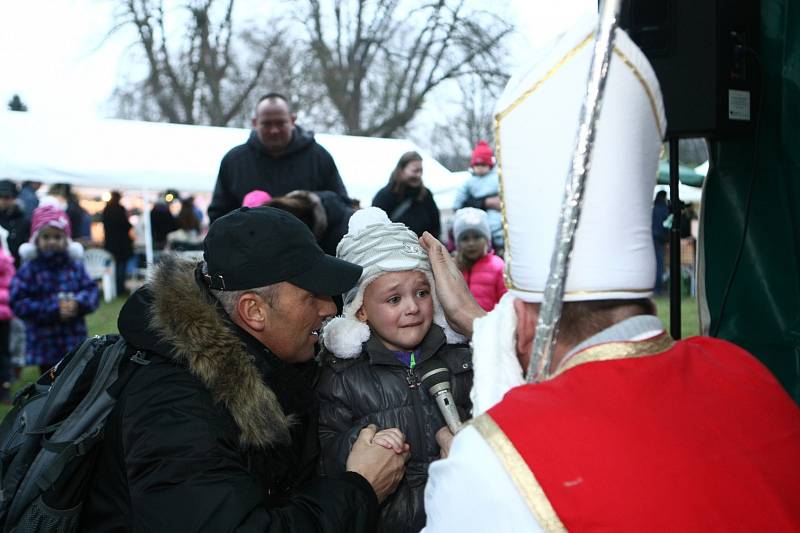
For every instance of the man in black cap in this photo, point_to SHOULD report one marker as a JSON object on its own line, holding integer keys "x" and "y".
{"x": 219, "y": 431}
{"x": 12, "y": 218}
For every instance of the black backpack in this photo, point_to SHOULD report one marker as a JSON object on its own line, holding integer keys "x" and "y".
{"x": 49, "y": 439}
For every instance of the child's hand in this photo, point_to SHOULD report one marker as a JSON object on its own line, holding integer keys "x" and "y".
{"x": 391, "y": 439}
{"x": 492, "y": 202}
{"x": 67, "y": 309}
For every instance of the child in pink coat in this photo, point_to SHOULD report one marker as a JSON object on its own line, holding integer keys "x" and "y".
{"x": 482, "y": 269}
{"x": 7, "y": 272}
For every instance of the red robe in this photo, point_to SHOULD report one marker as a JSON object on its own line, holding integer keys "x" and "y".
{"x": 641, "y": 436}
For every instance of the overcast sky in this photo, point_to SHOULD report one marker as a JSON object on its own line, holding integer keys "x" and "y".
{"x": 52, "y": 52}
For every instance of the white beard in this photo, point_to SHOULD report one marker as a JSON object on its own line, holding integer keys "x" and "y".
{"x": 494, "y": 356}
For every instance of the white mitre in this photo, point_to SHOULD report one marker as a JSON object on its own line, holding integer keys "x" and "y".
{"x": 536, "y": 130}
{"x": 537, "y": 120}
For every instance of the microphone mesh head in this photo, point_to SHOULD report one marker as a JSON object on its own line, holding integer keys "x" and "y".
{"x": 433, "y": 372}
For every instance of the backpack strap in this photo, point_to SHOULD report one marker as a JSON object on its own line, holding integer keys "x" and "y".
{"x": 67, "y": 452}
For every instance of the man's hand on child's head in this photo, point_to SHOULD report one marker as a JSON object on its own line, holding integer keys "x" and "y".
{"x": 460, "y": 307}
{"x": 391, "y": 439}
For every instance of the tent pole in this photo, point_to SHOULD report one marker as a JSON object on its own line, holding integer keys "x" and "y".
{"x": 148, "y": 233}
{"x": 674, "y": 243}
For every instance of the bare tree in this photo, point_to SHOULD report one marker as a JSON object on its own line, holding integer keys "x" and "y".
{"x": 455, "y": 137}
{"x": 379, "y": 60}
{"x": 205, "y": 75}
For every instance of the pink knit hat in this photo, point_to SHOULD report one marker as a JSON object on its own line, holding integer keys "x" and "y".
{"x": 49, "y": 215}
{"x": 256, "y": 198}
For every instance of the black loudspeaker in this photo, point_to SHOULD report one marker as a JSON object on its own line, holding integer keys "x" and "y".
{"x": 705, "y": 54}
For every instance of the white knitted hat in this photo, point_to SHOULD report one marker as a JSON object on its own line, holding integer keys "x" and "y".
{"x": 536, "y": 129}
{"x": 379, "y": 246}
{"x": 470, "y": 218}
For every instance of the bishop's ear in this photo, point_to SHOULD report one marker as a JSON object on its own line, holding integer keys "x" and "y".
{"x": 527, "y": 316}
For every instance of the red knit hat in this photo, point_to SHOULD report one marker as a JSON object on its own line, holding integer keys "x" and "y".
{"x": 482, "y": 155}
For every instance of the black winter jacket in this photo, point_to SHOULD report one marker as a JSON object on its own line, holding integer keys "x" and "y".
{"x": 116, "y": 228}
{"x": 19, "y": 229}
{"x": 304, "y": 165}
{"x": 420, "y": 216}
{"x": 199, "y": 439}
{"x": 377, "y": 388}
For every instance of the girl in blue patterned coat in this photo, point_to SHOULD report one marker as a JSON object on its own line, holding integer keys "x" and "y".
{"x": 52, "y": 292}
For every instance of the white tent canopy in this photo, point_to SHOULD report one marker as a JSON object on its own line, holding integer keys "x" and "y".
{"x": 154, "y": 156}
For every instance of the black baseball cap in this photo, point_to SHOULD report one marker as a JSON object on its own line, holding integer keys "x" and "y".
{"x": 254, "y": 247}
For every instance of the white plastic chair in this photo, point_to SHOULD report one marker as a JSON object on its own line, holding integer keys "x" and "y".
{"x": 191, "y": 255}
{"x": 100, "y": 266}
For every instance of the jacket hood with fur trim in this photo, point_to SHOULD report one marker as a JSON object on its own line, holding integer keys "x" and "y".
{"x": 176, "y": 318}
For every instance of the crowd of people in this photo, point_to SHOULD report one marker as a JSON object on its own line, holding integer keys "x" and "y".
{"x": 287, "y": 375}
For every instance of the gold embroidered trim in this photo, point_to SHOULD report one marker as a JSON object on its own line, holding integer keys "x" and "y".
{"x": 520, "y": 474}
{"x": 498, "y": 151}
{"x": 644, "y": 84}
{"x": 617, "y": 350}
{"x": 573, "y": 293}
{"x": 503, "y": 218}
{"x": 524, "y": 96}
{"x": 507, "y": 278}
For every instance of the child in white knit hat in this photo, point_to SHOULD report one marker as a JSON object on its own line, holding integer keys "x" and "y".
{"x": 482, "y": 269}
{"x": 391, "y": 323}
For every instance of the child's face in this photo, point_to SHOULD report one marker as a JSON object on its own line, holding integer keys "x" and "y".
{"x": 472, "y": 245}
{"x": 481, "y": 170}
{"x": 399, "y": 308}
{"x": 51, "y": 239}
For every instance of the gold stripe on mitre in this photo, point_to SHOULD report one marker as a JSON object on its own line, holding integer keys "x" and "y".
{"x": 521, "y": 475}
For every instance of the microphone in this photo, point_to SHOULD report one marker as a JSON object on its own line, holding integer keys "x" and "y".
{"x": 436, "y": 378}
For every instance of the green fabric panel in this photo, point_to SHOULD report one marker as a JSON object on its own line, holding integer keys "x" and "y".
{"x": 762, "y": 313}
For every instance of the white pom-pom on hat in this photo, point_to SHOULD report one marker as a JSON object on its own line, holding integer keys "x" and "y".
{"x": 368, "y": 216}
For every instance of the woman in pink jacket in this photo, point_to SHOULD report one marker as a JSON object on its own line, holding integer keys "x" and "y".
{"x": 482, "y": 270}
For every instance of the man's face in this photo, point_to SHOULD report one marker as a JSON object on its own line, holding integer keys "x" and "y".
{"x": 399, "y": 308}
{"x": 293, "y": 322}
{"x": 274, "y": 125}
{"x": 6, "y": 202}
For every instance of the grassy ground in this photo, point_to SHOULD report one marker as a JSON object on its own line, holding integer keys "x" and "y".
{"x": 104, "y": 320}
{"x": 690, "y": 324}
